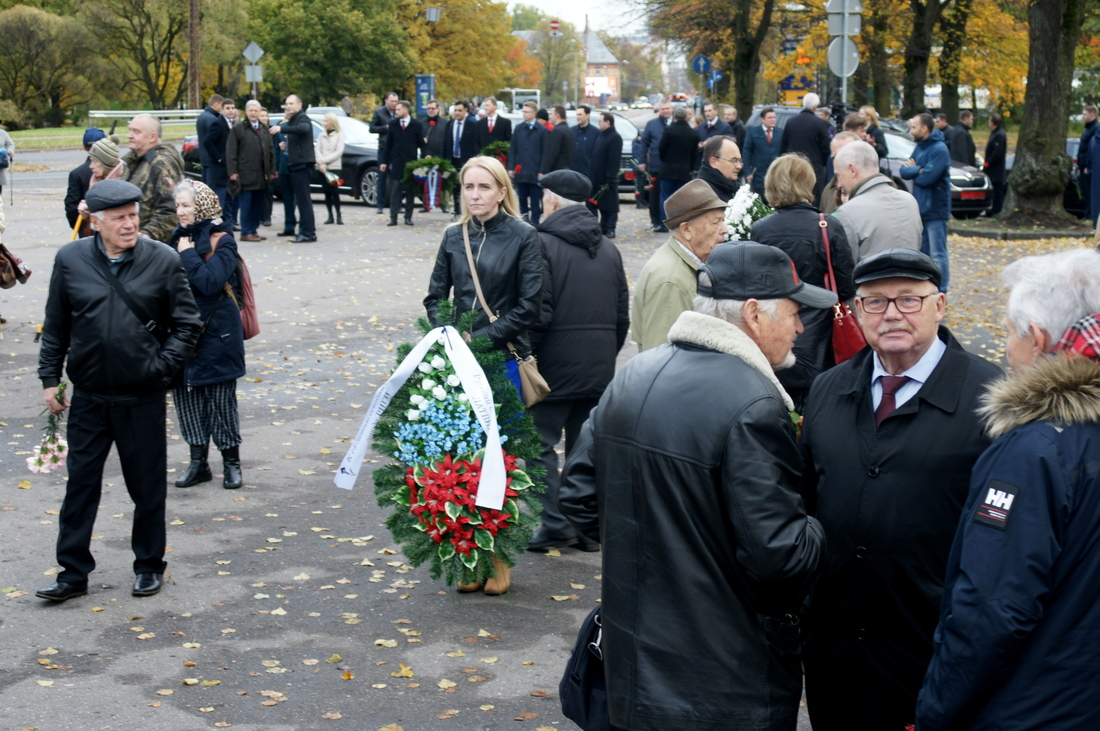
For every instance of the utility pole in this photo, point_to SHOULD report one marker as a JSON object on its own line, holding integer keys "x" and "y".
{"x": 194, "y": 65}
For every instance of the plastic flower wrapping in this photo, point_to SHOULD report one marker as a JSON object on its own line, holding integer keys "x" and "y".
{"x": 51, "y": 453}
{"x": 742, "y": 211}
{"x": 438, "y": 445}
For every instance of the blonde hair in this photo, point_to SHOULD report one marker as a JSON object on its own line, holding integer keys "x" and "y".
{"x": 333, "y": 120}
{"x": 790, "y": 180}
{"x": 869, "y": 112}
{"x": 510, "y": 204}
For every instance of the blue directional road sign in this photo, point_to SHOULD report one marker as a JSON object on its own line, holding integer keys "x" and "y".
{"x": 715, "y": 77}
{"x": 701, "y": 64}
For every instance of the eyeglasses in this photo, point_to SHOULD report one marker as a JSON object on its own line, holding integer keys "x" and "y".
{"x": 734, "y": 160}
{"x": 906, "y": 304}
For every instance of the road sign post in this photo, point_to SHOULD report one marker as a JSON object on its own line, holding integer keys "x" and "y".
{"x": 701, "y": 65}
{"x": 253, "y": 73}
{"x": 555, "y": 29}
{"x": 844, "y": 21}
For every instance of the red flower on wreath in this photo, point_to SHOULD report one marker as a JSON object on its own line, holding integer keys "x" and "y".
{"x": 494, "y": 520}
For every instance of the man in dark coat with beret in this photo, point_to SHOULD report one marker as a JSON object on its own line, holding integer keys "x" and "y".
{"x": 122, "y": 352}
{"x": 889, "y": 440}
{"x": 584, "y": 322}
{"x": 603, "y": 171}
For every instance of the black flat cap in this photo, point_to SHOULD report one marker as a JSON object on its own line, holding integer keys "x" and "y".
{"x": 569, "y": 184}
{"x": 742, "y": 270}
{"x": 107, "y": 194}
{"x": 893, "y": 263}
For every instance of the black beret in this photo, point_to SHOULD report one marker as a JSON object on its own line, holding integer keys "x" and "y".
{"x": 107, "y": 194}
{"x": 894, "y": 263}
{"x": 569, "y": 184}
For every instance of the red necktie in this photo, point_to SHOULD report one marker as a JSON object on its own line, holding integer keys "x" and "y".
{"x": 769, "y": 133}
{"x": 490, "y": 126}
{"x": 888, "y": 404}
{"x": 404, "y": 123}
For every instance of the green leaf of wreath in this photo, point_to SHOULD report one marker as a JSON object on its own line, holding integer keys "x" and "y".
{"x": 484, "y": 539}
{"x": 453, "y": 510}
{"x": 446, "y": 550}
{"x": 520, "y": 480}
{"x": 469, "y": 560}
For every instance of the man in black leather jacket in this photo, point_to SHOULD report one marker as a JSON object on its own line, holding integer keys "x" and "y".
{"x": 298, "y": 131}
{"x": 380, "y": 125}
{"x": 120, "y": 366}
{"x": 688, "y": 474}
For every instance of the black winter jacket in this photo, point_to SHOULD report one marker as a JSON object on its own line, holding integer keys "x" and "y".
{"x": 250, "y": 155}
{"x": 679, "y": 151}
{"x": 80, "y": 178}
{"x": 797, "y": 231}
{"x": 603, "y": 169}
{"x": 112, "y": 358}
{"x": 559, "y": 149}
{"x": 687, "y": 474}
{"x": 995, "y": 159}
{"x": 585, "y": 306}
{"x": 890, "y": 499}
{"x": 509, "y": 264}
{"x": 809, "y": 134}
{"x": 435, "y": 135}
{"x": 299, "y": 141}
{"x": 219, "y": 356}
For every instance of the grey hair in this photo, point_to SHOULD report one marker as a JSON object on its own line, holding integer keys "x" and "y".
{"x": 184, "y": 186}
{"x": 811, "y": 101}
{"x": 156, "y": 125}
{"x": 729, "y": 310}
{"x": 860, "y": 154}
{"x": 252, "y": 102}
{"x": 101, "y": 215}
{"x": 1053, "y": 291}
{"x": 679, "y": 113}
{"x": 562, "y": 202}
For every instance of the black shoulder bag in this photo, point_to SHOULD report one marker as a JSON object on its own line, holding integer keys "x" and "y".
{"x": 149, "y": 323}
{"x": 583, "y": 689}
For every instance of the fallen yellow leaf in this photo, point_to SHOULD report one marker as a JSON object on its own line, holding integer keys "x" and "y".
{"x": 446, "y": 683}
{"x": 489, "y": 660}
{"x": 165, "y": 691}
{"x": 386, "y": 643}
{"x": 404, "y": 672}
{"x": 278, "y": 611}
{"x": 190, "y": 681}
{"x": 334, "y": 658}
{"x": 48, "y": 651}
{"x": 456, "y": 653}
{"x": 45, "y": 683}
{"x": 211, "y": 683}
{"x": 24, "y": 485}
{"x": 347, "y": 676}
{"x": 302, "y": 577}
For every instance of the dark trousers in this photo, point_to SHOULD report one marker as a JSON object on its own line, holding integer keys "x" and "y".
{"x": 999, "y": 190}
{"x": 231, "y": 207}
{"x": 252, "y": 208}
{"x": 608, "y": 219}
{"x": 397, "y": 189}
{"x": 332, "y": 198}
{"x": 299, "y": 180}
{"x": 530, "y": 201}
{"x": 223, "y": 199}
{"x": 137, "y": 431}
{"x": 382, "y": 186}
{"x": 268, "y": 203}
{"x": 287, "y": 190}
{"x": 668, "y": 187}
{"x": 551, "y": 418}
{"x": 655, "y": 202}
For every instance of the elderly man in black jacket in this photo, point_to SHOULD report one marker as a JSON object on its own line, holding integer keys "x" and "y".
{"x": 584, "y": 322}
{"x": 889, "y": 439}
{"x": 808, "y": 134}
{"x": 404, "y": 143}
{"x": 603, "y": 171}
{"x": 688, "y": 474}
{"x": 298, "y": 131}
{"x": 121, "y": 312}
{"x": 250, "y": 160}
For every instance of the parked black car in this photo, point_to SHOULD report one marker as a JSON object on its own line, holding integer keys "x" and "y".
{"x": 1073, "y": 199}
{"x": 360, "y": 162}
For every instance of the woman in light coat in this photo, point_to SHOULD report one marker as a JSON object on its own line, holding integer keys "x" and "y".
{"x": 329, "y": 150}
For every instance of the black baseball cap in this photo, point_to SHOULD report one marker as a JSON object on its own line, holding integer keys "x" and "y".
{"x": 895, "y": 263}
{"x": 742, "y": 270}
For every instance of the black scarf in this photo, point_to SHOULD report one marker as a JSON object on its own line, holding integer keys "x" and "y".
{"x": 199, "y": 233}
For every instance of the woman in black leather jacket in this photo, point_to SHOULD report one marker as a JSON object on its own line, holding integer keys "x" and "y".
{"x": 795, "y": 227}
{"x": 508, "y": 257}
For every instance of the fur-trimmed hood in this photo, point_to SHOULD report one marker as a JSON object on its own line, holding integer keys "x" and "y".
{"x": 1062, "y": 389}
{"x": 714, "y": 334}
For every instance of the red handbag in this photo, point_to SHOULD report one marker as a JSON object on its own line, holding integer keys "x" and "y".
{"x": 847, "y": 334}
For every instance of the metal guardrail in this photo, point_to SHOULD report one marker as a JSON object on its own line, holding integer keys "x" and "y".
{"x": 167, "y": 117}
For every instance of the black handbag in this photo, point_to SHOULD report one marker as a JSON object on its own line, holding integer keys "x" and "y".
{"x": 583, "y": 689}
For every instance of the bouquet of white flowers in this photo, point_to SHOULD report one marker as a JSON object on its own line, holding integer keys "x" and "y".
{"x": 743, "y": 210}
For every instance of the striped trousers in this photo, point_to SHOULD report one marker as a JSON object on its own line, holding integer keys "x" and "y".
{"x": 209, "y": 411}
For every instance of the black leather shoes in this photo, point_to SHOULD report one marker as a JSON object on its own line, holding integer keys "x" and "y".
{"x": 146, "y": 584}
{"x": 304, "y": 239}
{"x": 59, "y": 591}
{"x": 286, "y": 233}
{"x": 541, "y": 543}
{"x": 408, "y": 222}
{"x": 393, "y": 222}
{"x": 199, "y": 469}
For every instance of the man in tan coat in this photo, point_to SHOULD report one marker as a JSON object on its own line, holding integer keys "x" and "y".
{"x": 877, "y": 215}
{"x": 155, "y": 167}
{"x": 696, "y": 219}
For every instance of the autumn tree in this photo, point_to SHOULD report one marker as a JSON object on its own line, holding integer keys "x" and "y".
{"x": 1042, "y": 168}
{"x": 523, "y": 71}
{"x": 526, "y": 17}
{"x": 326, "y": 49}
{"x": 560, "y": 56}
{"x": 44, "y": 64}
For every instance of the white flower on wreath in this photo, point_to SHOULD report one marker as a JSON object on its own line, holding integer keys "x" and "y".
{"x": 453, "y": 381}
{"x": 425, "y": 367}
{"x": 413, "y": 415}
{"x": 427, "y": 384}
{"x": 438, "y": 363}
{"x": 417, "y": 400}
{"x": 421, "y": 172}
{"x": 439, "y": 392}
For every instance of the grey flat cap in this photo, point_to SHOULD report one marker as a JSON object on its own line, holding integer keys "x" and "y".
{"x": 107, "y": 194}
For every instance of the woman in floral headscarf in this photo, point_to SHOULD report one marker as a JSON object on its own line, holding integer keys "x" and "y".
{"x": 206, "y": 399}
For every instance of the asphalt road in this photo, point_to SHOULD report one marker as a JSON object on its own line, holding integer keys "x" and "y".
{"x": 270, "y": 582}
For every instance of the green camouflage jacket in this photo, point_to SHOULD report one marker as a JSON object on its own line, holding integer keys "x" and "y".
{"x": 157, "y": 173}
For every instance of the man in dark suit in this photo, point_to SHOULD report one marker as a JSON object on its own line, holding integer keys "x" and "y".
{"x": 736, "y": 125}
{"x": 713, "y": 126}
{"x": 213, "y": 134}
{"x": 559, "y": 145}
{"x": 298, "y": 131}
{"x": 946, "y": 129}
{"x": 584, "y": 139}
{"x": 995, "y": 151}
{"x": 211, "y": 114}
{"x": 525, "y": 162}
{"x": 963, "y": 148}
{"x": 808, "y": 134}
{"x": 460, "y": 145}
{"x": 650, "y": 161}
{"x": 604, "y": 169}
{"x": 404, "y": 142}
{"x": 380, "y": 125}
{"x": 492, "y": 128}
{"x": 762, "y": 145}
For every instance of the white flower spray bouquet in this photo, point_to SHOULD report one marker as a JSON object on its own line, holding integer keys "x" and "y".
{"x": 742, "y": 211}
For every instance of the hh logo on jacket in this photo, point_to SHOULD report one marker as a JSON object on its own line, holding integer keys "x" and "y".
{"x": 996, "y": 508}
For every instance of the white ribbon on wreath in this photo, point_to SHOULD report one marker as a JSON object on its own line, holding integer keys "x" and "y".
{"x": 490, "y": 490}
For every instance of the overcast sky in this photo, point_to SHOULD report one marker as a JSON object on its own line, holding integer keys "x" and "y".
{"x": 611, "y": 15}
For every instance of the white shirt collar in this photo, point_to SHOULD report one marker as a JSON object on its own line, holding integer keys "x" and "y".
{"x": 697, "y": 260}
{"x": 921, "y": 370}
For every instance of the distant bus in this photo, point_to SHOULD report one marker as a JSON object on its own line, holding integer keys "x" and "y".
{"x": 678, "y": 99}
